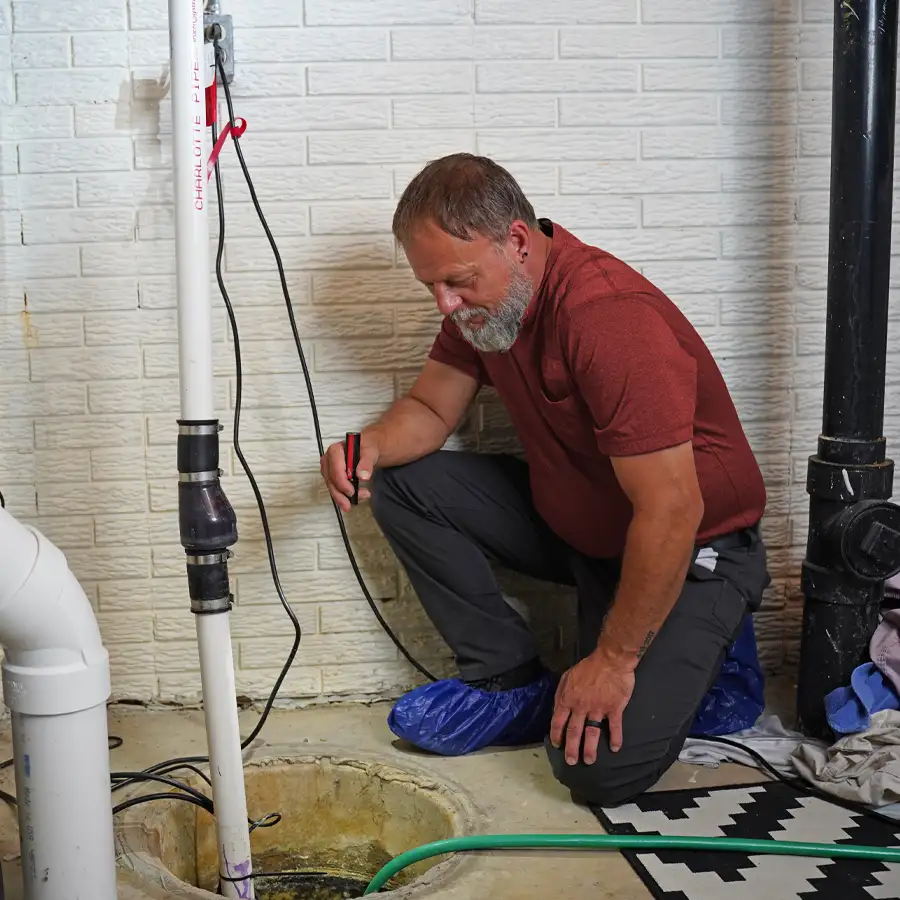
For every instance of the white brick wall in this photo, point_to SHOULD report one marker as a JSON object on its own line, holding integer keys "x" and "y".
{"x": 691, "y": 139}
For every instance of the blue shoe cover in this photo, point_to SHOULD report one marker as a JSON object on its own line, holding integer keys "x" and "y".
{"x": 450, "y": 718}
{"x": 737, "y": 698}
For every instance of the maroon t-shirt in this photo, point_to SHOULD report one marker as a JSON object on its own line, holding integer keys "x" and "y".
{"x": 606, "y": 365}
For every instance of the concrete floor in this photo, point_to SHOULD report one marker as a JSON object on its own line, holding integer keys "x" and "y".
{"x": 512, "y": 791}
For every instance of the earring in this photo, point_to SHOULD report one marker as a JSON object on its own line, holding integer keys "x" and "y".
{"x": 524, "y": 255}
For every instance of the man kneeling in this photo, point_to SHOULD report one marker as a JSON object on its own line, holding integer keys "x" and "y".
{"x": 639, "y": 488}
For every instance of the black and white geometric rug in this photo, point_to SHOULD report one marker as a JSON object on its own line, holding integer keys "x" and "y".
{"x": 770, "y": 810}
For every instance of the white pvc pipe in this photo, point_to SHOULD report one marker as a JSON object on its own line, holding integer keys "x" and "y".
{"x": 65, "y": 813}
{"x": 226, "y": 763}
{"x": 56, "y": 683}
{"x": 191, "y": 149}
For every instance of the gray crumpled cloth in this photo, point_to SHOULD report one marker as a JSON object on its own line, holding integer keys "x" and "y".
{"x": 864, "y": 767}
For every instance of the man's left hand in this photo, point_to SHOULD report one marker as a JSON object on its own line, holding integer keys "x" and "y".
{"x": 594, "y": 689}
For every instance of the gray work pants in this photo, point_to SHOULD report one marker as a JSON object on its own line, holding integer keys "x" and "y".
{"x": 450, "y": 514}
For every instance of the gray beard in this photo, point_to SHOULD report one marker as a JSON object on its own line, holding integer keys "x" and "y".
{"x": 500, "y": 328}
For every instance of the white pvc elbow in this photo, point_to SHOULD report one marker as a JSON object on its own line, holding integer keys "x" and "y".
{"x": 55, "y": 659}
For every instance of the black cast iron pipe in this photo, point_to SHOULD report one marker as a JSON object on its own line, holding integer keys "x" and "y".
{"x": 854, "y": 534}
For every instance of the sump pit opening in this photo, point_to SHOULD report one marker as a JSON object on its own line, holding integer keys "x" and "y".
{"x": 313, "y": 886}
{"x": 343, "y": 818}
{"x": 302, "y": 881}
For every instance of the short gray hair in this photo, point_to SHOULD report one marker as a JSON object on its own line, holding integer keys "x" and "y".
{"x": 465, "y": 195}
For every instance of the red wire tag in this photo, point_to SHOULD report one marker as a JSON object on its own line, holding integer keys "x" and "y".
{"x": 240, "y": 126}
{"x": 211, "y": 104}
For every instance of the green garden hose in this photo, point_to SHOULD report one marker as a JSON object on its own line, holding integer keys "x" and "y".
{"x": 624, "y": 842}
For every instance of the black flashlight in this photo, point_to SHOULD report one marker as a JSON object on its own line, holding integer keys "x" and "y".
{"x": 351, "y": 454}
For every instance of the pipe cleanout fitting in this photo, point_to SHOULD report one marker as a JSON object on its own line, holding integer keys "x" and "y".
{"x": 854, "y": 533}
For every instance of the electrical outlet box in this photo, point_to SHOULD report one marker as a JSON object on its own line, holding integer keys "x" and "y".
{"x": 226, "y": 42}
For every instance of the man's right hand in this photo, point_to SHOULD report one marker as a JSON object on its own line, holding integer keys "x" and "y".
{"x": 333, "y": 466}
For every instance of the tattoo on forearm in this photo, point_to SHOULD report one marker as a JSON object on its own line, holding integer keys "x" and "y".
{"x": 646, "y": 644}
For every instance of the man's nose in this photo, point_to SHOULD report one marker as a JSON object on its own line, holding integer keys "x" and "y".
{"x": 447, "y": 300}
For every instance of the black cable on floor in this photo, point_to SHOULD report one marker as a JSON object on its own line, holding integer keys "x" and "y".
{"x": 799, "y": 784}
{"x": 309, "y": 388}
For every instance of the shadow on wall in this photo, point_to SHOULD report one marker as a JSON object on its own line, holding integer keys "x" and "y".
{"x": 754, "y": 288}
{"x": 354, "y": 353}
{"x": 755, "y": 344}
{"x": 359, "y": 323}
{"x": 146, "y": 115}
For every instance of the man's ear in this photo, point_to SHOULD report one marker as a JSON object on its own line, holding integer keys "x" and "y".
{"x": 518, "y": 240}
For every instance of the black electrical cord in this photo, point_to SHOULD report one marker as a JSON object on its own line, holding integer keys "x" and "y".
{"x": 189, "y": 761}
{"x": 156, "y": 772}
{"x": 2, "y": 501}
{"x": 798, "y": 784}
{"x": 270, "y": 550}
{"x": 309, "y": 388}
{"x": 126, "y": 778}
{"x": 146, "y": 798}
{"x": 177, "y": 763}
{"x": 153, "y": 772}
{"x": 161, "y": 770}
{"x": 132, "y": 777}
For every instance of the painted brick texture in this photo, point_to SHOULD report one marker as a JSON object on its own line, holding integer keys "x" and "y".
{"x": 690, "y": 139}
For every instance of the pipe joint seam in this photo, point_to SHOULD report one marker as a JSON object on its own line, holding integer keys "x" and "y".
{"x": 208, "y": 583}
{"x": 849, "y": 482}
{"x": 207, "y": 520}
